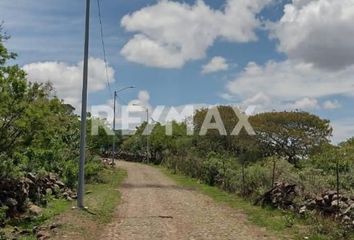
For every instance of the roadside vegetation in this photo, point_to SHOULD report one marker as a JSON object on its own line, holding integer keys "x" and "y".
{"x": 284, "y": 224}
{"x": 60, "y": 218}
{"x": 39, "y": 149}
{"x": 289, "y": 164}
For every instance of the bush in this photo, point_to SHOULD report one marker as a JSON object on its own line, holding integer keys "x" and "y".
{"x": 92, "y": 169}
{"x": 3, "y": 210}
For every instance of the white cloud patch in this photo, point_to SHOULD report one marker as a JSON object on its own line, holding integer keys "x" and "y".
{"x": 305, "y": 104}
{"x": 141, "y": 103}
{"x": 329, "y": 104}
{"x": 259, "y": 98}
{"x": 275, "y": 84}
{"x": 170, "y": 33}
{"x": 216, "y": 64}
{"x": 67, "y": 79}
{"x": 343, "y": 129}
{"x": 319, "y": 32}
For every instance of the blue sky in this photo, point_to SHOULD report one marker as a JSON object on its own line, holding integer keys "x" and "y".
{"x": 270, "y": 53}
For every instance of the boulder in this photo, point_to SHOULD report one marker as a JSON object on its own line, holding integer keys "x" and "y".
{"x": 60, "y": 184}
{"x": 34, "y": 209}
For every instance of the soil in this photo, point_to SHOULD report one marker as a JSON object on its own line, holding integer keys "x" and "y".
{"x": 154, "y": 207}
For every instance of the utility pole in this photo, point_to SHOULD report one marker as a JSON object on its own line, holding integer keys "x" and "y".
{"x": 147, "y": 137}
{"x": 80, "y": 191}
{"x": 114, "y": 128}
{"x": 114, "y": 121}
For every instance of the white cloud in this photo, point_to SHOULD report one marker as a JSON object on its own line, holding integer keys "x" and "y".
{"x": 259, "y": 98}
{"x": 275, "y": 84}
{"x": 141, "y": 103}
{"x": 170, "y": 33}
{"x": 329, "y": 104}
{"x": 342, "y": 129}
{"x": 319, "y": 32}
{"x": 144, "y": 96}
{"x": 67, "y": 79}
{"x": 305, "y": 104}
{"x": 216, "y": 64}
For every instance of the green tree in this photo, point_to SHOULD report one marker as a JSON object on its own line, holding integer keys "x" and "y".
{"x": 38, "y": 131}
{"x": 293, "y": 135}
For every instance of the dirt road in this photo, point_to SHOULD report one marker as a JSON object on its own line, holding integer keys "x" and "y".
{"x": 153, "y": 207}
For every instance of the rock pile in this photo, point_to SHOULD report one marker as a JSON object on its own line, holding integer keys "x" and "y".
{"x": 282, "y": 196}
{"x": 19, "y": 195}
{"x": 133, "y": 157}
{"x": 331, "y": 204}
{"x": 128, "y": 156}
{"x": 107, "y": 162}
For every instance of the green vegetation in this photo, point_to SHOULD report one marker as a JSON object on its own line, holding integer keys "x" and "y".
{"x": 289, "y": 147}
{"x": 39, "y": 136}
{"x": 38, "y": 132}
{"x": 284, "y": 224}
{"x": 102, "y": 199}
{"x": 104, "y": 196}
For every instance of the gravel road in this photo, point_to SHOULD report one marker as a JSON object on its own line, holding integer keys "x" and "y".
{"x": 153, "y": 207}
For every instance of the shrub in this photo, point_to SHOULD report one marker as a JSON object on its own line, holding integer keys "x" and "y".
{"x": 3, "y": 210}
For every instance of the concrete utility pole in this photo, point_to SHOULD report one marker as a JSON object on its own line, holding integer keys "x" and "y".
{"x": 81, "y": 185}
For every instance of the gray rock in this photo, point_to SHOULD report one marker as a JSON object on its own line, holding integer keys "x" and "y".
{"x": 331, "y": 193}
{"x": 60, "y": 184}
{"x": 346, "y": 219}
{"x": 348, "y": 209}
{"x": 49, "y": 191}
{"x": 340, "y": 204}
{"x": 31, "y": 176}
{"x": 10, "y": 202}
{"x": 302, "y": 210}
{"x": 311, "y": 204}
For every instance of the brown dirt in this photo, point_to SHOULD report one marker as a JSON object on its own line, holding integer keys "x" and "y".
{"x": 153, "y": 207}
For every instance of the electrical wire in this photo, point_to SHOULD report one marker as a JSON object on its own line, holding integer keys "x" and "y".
{"x": 122, "y": 100}
{"x": 104, "y": 48}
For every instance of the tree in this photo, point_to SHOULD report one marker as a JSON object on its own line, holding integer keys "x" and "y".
{"x": 38, "y": 131}
{"x": 293, "y": 135}
{"x": 213, "y": 140}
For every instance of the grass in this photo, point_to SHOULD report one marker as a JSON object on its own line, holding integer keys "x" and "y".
{"x": 104, "y": 197}
{"x": 283, "y": 224}
{"x": 101, "y": 200}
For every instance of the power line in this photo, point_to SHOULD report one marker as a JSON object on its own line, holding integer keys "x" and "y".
{"x": 104, "y": 47}
{"x": 122, "y": 100}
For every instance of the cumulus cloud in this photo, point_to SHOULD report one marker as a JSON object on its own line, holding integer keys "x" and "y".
{"x": 329, "y": 104}
{"x": 216, "y": 64}
{"x": 170, "y": 33}
{"x": 291, "y": 80}
{"x": 141, "y": 103}
{"x": 319, "y": 32}
{"x": 278, "y": 83}
{"x": 305, "y": 104}
{"x": 67, "y": 79}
